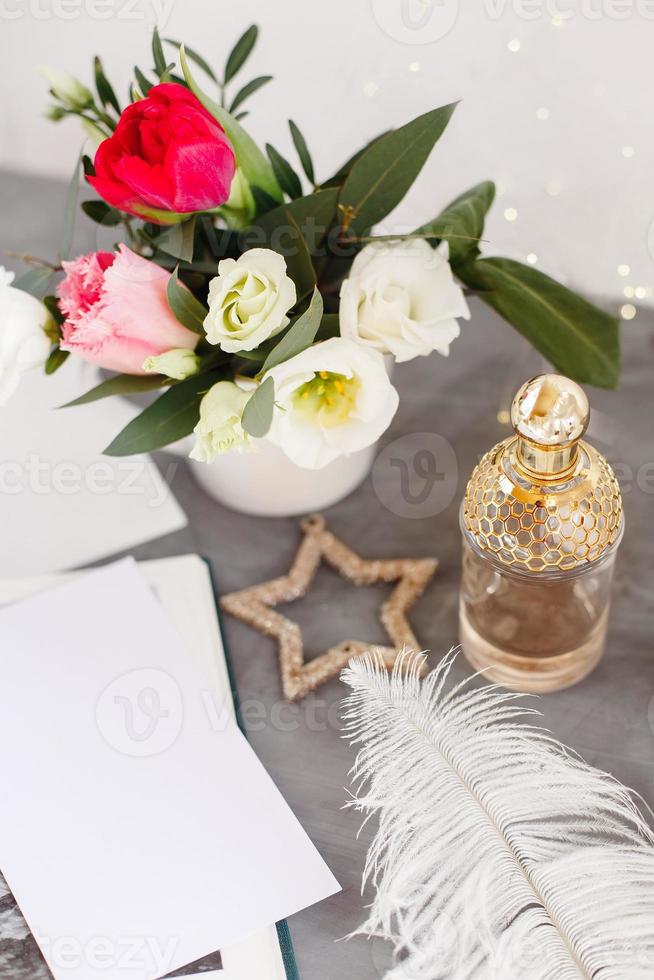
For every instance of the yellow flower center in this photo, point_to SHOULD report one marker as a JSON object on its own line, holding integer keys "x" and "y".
{"x": 329, "y": 399}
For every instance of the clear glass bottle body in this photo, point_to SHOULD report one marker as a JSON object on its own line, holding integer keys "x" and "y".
{"x": 533, "y": 631}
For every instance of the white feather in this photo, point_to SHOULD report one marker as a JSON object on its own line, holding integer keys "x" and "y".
{"x": 500, "y": 855}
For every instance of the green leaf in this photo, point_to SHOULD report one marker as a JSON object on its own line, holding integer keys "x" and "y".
{"x": 105, "y": 91}
{"x": 189, "y": 311}
{"x": 264, "y": 202}
{"x": 300, "y": 335}
{"x": 55, "y": 359}
{"x": 241, "y": 115}
{"x": 464, "y": 217}
{"x": 257, "y": 417}
{"x": 142, "y": 81}
{"x": 302, "y": 151}
{"x": 35, "y": 281}
{"x": 578, "y": 338}
{"x": 160, "y": 64}
{"x": 101, "y": 213}
{"x": 330, "y": 326}
{"x": 339, "y": 177}
{"x": 195, "y": 57}
{"x": 178, "y": 240}
{"x": 120, "y": 384}
{"x": 251, "y": 160}
{"x": 381, "y": 177}
{"x": 260, "y": 353}
{"x": 168, "y": 76}
{"x": 313, "y": 214}
{"x": 299, "y": 264}
{"x": 249, "y": 90}
{"x": 50, "y": 303}
{"x": 171, "y": 417}
{"x": 69, "y": 212}
{"x": 240, "y": 52}
{"x": 287, "y": 179}
{"x": 87, "y": 164}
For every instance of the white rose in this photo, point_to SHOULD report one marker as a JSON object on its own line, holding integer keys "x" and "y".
{"x": 220, "y": 428}
{"x": 331, "y": 399}
{"x": 402, "y": 299}
{"x": 24, "y": 343}
{"x": 249, "y": 300}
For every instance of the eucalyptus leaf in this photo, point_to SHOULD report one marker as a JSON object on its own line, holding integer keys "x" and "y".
{"x": 189, "y": 311}
{"x": 300, "y": 335}
{"x": 101, "y": 213}
{"x": 287, "y": 179}
{"x": 462, "y": 222}
{"x": 69, "y": 212}
{"x": 35, "y": 281}
{"x": 578, "y": 338}
{"x": 160, "y": 64}
{"x": 104, "y": 89}
{"x": 252, "y": 161}
{"x": 302, "y": 151}
{"x": 195, "y": 57}
{"x": 249, "y": 90}
{"x": 330, "y": 326}
{"x": 264, "y": 202}
{"x": 299, "y": 264}
{"x": 87, "y": 164}
{"x": 381, "y": 177}
{"x": 240, "y": 52}
{"x": 178, "y": 240}
{"x": 120, "y": 384}
{"x": 258, "y": 413}
{"x": 167, "y": 74}
{"x": 51, "y": 305}
{"x": 171, "y": 417}
{"x": 142, "y": 81}
{"x": 313, "y": 214}
{"x": 55, "y": 359}
{"x": 338, "y": 178}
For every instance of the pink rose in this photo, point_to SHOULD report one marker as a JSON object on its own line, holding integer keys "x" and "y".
{"x": 117, "y": 311}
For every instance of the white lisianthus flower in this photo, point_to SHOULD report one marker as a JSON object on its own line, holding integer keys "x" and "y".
{"x": 66, "y": 88}
{"x": 179, "y": 363}
{"x": 249, "y": 300}
{"x": 331, "y": 399}
{"x": 220, "y": 429}
{"x": 24, "y": 343}
{"x": 402, "y": 299}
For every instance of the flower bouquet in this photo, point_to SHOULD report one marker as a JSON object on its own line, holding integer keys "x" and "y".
{"x": 262, "y": 304}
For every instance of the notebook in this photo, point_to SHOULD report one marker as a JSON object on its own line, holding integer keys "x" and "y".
{"x": 184, "y": 589}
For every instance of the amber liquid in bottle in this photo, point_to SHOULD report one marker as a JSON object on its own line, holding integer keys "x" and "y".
{"x": 539, "y": 548}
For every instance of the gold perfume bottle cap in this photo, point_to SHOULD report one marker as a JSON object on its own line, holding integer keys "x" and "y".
{"x": 544, "y": 500}
{"x": 550, "y": 414}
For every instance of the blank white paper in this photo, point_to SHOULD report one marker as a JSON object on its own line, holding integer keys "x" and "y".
{"x": 138, "y": 830}
{"x": 62, "y": 503}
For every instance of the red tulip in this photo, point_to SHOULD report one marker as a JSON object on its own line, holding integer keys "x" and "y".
{"x": 167, "y": 157}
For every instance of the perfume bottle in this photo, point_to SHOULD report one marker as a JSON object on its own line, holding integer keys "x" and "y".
{"x": 541, "y": 522}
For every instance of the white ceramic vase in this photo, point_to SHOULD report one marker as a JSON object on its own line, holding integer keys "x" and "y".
{"x": 267, "y": 483}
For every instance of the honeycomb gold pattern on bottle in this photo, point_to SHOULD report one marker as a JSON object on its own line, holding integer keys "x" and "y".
{"x": 541, "y": 521}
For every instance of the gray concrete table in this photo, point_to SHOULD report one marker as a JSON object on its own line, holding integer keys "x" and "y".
{"x": 609, "y": 717}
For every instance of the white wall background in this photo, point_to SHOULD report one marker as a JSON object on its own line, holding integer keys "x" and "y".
{"x": 557, "y": 103}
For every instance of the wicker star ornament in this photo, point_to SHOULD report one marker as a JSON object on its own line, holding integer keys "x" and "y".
{"x": 256, "y": 606}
